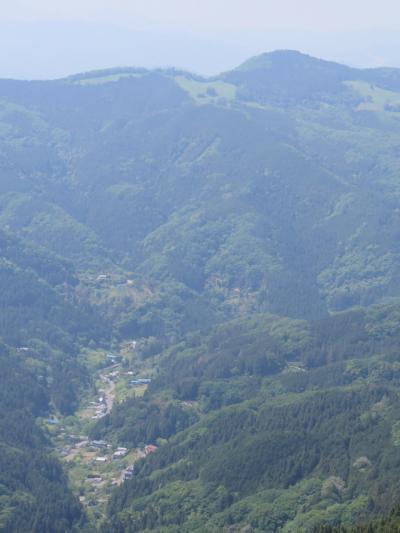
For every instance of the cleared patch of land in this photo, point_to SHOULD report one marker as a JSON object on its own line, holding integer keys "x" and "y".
{"x": 206, "y": 92}
{"x": 375, "y": 98}
{"x": 99, "y": 80}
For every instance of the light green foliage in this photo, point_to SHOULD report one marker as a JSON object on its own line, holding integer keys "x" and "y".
{"x": 100, "y": 80}
{"x": 206, "y": 92}
{"x": 376, "y": 98}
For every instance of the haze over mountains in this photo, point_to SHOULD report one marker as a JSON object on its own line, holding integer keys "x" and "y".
{"x": 286, "y": 144}
{"x": 244, "y": 228}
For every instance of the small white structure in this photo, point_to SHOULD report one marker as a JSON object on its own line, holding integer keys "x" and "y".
{"x": 119, "y": 454}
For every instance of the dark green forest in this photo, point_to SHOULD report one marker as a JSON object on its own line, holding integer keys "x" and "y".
{"x": 306, "y": 434}
{"x": 34, "y": 492}
{"x": 243, "y": 231}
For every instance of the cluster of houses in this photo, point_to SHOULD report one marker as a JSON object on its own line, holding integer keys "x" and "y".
{"x": 104, "y": 454}
{"x": 119, "y": 453}
{"x": 100, "y": 452}
{"x": 99, "y": 407}
{"x": 96, "y": 480}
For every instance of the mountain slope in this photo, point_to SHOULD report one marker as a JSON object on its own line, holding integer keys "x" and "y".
{"x": 298, "y": 425}
{"x": 243, "y": 229}
{"x": 212, "y": 184}
{"x": 34, "y": 492}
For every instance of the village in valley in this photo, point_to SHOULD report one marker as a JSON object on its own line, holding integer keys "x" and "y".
{"x": 95, "y": 467}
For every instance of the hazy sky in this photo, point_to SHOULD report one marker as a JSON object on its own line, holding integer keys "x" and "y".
{"x": 52, "y": 38}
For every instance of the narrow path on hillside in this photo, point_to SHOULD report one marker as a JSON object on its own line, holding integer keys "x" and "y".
{"x": 109, "y": 392}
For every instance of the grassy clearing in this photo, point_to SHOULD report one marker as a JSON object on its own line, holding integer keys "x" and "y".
{"x": 207, "y": 92}
{"x": 100, "y": 80}
{"x": 376, "y": 98}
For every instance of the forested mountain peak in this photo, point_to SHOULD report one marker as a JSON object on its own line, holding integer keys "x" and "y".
{"x": 235, "y": 236}
{"x": 289, "y": 59}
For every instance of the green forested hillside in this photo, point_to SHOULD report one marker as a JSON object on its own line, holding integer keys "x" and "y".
{"x": 270, "y": 188}
{"x": 34, "y": 495}
{"x": 42, "y": 315}
{"x": 298, "y": 429}
{"x": 45, "y": 323}
{"x": 242, "y": 230}
{"x": 387, "y": 524}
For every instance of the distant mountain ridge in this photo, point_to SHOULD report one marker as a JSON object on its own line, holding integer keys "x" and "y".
{"x": 265, "y": 60}
{"x": 111, "y": 167}
{"x": 245, "y": 229}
